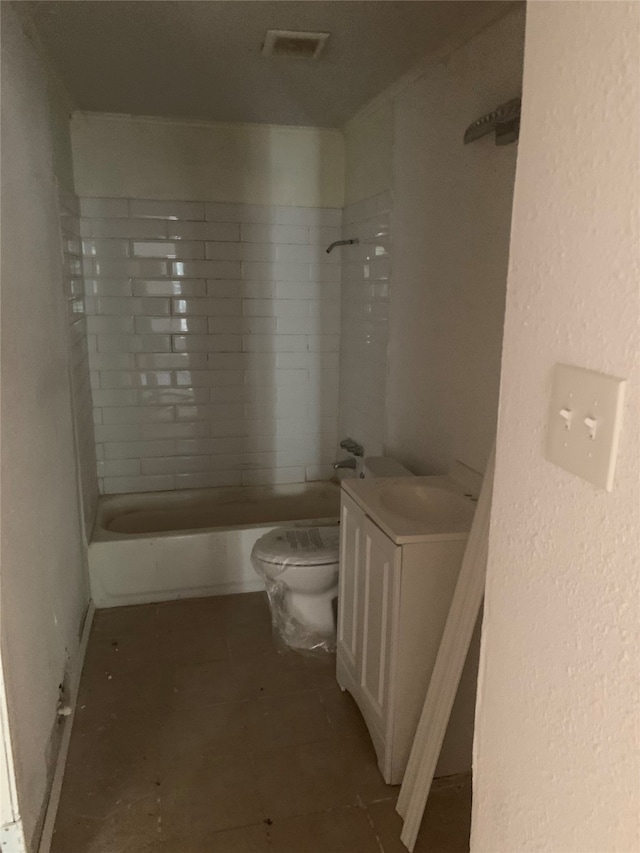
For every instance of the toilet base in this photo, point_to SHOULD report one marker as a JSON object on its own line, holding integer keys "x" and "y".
{"x": 315, "y": 613}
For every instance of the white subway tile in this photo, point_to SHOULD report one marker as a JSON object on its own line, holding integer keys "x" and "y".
{"x": 139, "y": 449}
{"x": 227, "y": 429}
{"x": 129, "y": 306}
{"x": 144, "y": 209}
{"x": 325, "y": 235}
{"x": 306, "y": 255}
{"x": 220, "y": 325}
{"x": 312, "y": 216}
{"x": 206, "y": 269}
{"x": 122, "y": 485}
{"x": 223, "y": 231}
{"x": 208, "y": 307}
{"x": 207, "y": 343}
{"x": 224, "y": 251}
{"x": 168, "y": 250}
{"x": 105, "y": 287}
{"x": 110, "y": 325}
{"x": 276, "y": 376}
{"x": 170, "y": 361}
{"x": 170, "y": 396}
{"x": 117, "y": 432}
{"x": 105, "y": 248}
{"x": 227, "y": 360}
{"x": 273, "y": 233}
{"x": 169, "y": 287}
{"x": 275, "y": 271}
{"x": 225, "y": 288}
{"x": 114, "y": 208}
{"x": 308, "y": 290}
{"x": 130, "y": 268}
{"x": 221, "y": 411}
{"x": 99, "y": 361}
{"x": 274, "y": 308}
{"x": 170, "y": 325}
{"x": 211, "y": 480}
{"x": 115, "y": 398}
{"x": 125, "y": 228}
{"x": 134, "y": 343}
{"x": 324, "y": 343}
{"x": 210, "y": 446}
{"x": 119, "y": 468}
{"x": 221, "y": 212}
{"x": 208, "y": 378}
{"x": 274, "y": 343}
{"x": 134, "y": 379}
{"x": 175, "y": 465}
{"x": 174, "y": 430}
{"x": 138, "y": 414}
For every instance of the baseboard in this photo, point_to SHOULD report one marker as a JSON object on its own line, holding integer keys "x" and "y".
{"x": 58, "y": 774}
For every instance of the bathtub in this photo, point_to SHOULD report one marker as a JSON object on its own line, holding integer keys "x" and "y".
{"x": 196, "y": 542}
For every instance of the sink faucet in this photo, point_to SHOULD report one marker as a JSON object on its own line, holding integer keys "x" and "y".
{"x": 345, "y": 463}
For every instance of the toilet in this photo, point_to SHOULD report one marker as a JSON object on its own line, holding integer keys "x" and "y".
{"x": 300, "y": 567}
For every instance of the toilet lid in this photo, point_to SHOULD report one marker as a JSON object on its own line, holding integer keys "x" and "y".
{"x": 299, "y": 546}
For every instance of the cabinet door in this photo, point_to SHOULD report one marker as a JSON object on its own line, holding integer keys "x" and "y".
{"x": 380, "y": 584}
{"x": 349, "y": 629}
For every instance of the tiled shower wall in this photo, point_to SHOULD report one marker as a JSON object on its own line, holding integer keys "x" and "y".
{"x": 69, "y": 213}
{"x": 214, "y": 338}
{"x": 366, "y": 277}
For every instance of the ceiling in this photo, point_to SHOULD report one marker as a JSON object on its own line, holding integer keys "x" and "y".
{"x": 201, "y": 59}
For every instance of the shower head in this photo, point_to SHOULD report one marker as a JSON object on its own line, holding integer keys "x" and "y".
{"x": 505, "y": 120}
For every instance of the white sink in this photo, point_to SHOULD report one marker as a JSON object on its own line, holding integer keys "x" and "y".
{"x": 420, "y": 502}
{"x": 414, "y": 509}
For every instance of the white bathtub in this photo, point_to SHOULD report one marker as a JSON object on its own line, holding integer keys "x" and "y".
{"x": 168, "y": 545}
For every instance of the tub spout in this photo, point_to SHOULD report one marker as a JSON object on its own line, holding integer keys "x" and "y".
{"x": 345, "y": 463}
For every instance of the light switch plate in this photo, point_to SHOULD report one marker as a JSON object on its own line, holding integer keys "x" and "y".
{"x": 585, "y": 418}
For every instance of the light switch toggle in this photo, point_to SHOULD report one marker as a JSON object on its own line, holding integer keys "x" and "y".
{"x": 591, "y": 425}
{"x": 567, "y": 417}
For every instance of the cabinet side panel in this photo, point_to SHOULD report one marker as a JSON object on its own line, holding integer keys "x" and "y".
{"x": 429, "y": 575}
{"x": 352, "y": 520}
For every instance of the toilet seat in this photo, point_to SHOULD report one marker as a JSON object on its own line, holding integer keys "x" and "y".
{"x": 299, "y": 546}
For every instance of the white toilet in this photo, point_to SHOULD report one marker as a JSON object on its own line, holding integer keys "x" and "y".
{"x": 301, "y": 562}
{"x": 300, "y": 568}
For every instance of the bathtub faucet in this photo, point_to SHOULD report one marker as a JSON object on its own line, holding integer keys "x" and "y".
{"x": 345, "y": 463}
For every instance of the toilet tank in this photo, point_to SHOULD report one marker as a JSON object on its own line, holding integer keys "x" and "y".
{"x": 383, "y": 466}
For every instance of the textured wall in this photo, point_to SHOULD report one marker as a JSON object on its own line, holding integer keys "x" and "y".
{"x": 44, "y": 591}
{"x": 556, "y": 751}
{"x": 450, "y": 225}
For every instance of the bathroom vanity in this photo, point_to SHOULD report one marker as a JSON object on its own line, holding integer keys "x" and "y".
{"x": 401, "y": 546}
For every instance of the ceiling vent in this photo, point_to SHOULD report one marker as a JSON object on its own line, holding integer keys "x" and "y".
{"x": 293, "y": 44}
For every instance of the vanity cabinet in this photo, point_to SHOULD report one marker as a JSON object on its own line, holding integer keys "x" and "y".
{"x": 392, "y": 607}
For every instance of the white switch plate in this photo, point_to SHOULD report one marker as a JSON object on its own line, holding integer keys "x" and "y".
{"x": 585, "y": 418}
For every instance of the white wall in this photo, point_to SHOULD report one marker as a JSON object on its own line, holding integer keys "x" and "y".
{"x": 556, "y": 753}
{"x": 368, "y": 151}
{"x": 450, "y": 226}
{"x": 44, "y": 591}
{"x": 120, "y": 156}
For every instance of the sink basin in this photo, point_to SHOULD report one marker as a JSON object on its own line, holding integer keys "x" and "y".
{"x": 422, "y": 503}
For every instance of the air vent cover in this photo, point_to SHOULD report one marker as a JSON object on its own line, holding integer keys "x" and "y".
{"x": 293, "y": 44}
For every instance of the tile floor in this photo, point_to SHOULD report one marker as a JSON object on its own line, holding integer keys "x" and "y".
{"x": 195, "y": 734}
